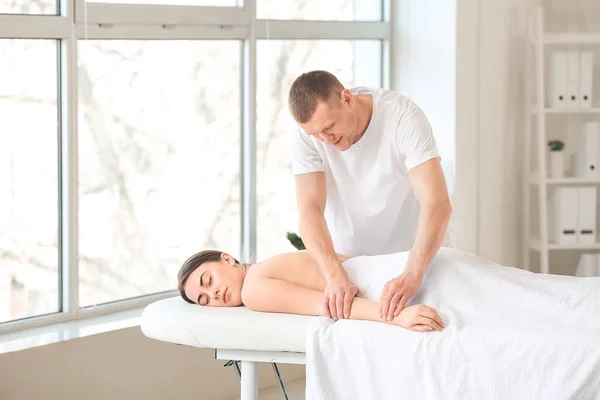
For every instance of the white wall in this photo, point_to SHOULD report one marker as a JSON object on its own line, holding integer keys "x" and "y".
{"x": 466, "y": 197}
{"x": 434, "y": 54}
{"x": 123, "y": 365}
{"x": 463, "y": 61}
{"x": 425, "y": 65}
{"x": 502, "y": 27}
{"x": 490, "y": 123}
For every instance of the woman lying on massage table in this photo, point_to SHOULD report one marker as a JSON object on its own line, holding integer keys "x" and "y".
{"x": 469, "y": 291}
{"x": 288, "y": 283}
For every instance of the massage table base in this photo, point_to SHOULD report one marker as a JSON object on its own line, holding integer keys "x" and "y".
{"x": 250, "y": 360}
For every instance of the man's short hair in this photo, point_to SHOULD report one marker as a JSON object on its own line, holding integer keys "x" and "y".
{"x": 308, "y": 89}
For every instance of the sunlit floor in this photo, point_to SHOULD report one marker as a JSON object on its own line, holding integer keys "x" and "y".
{"x": 294, "y": 389}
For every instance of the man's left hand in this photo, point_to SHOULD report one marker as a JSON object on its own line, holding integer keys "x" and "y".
{"x": 397, "y": 292}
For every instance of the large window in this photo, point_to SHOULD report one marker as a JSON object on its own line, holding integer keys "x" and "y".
{"x": 334, "y": 10}
{"x": 134, "y": 133}
{"x": 28, "y": 7}
{"x": 355, "y": 63}
{"x": 29, "y": 196}
{"x": 159, "y": 141}
{"x": 223, "y": 3}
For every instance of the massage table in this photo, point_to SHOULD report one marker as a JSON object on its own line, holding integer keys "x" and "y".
{"x": 509, "y": 334}
{"x": 236, "y": 334}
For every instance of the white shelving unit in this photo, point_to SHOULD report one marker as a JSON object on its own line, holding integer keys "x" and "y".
{"x": 583, "y": 111}
{"x": 571, "y": 38}
{"x": 539, "y": 183}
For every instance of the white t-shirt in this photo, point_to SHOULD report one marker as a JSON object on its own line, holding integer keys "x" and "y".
{"x": 371, "y": 208}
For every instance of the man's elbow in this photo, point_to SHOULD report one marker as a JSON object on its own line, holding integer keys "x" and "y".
{"x": 441, "y": 208}
{"x": 447, "y": 207}
{"x": 310, "y": 210}
{"x": 446, "y": 210}
{"x": 309, "y": 213}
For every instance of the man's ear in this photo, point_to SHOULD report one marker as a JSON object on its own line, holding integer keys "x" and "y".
{"x": 347, "y": 97}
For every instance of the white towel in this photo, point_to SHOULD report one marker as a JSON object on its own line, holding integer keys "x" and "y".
{"x": 509, "y": 333}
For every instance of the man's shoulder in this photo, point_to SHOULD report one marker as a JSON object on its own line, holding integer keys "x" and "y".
{"x": 384, "y": 96}
{"x": 395, "y": 101}
{"x": 392, "y": 107}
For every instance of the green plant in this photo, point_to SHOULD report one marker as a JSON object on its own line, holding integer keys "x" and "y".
{"x": 296, "y": 241}
{"x": 556, "y": 145}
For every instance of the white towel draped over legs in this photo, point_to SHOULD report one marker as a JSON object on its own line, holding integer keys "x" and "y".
{"x": 509, "y": 333}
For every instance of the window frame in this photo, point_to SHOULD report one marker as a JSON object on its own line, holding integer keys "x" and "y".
{"x": 124, "y": 21}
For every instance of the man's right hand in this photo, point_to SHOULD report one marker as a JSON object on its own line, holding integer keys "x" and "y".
{"x": 339, "y": 294}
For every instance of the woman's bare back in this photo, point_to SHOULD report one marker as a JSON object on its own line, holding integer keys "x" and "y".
{"x": 299, "y": 268}
{"x": 293, "y": 283}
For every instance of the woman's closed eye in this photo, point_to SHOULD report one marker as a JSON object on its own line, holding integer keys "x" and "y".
{"x": 204, "y": 299}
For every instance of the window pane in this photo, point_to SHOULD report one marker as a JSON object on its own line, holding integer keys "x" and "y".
{"x": 159, "y": 166}
{"x": 355, "y": 63}
{"x": 219, "y": 3}
{"x": 28, "y": 7}
{"x": 319, "y": 10}
{"x": 29, "y": 213}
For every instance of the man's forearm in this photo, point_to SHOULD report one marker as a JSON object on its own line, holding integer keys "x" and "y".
{"x": 317, "y": 240}
{"x": 433, "y": 224}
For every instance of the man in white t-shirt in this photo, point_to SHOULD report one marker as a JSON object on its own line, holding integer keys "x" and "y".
{"x": 368, "y": 182}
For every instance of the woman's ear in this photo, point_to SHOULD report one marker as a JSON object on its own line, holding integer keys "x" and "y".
{"x": 228, "y": 258}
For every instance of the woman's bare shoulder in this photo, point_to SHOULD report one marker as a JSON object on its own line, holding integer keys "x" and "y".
{"x": 301, "y": 256}
{"x": 298, "y": 267}
{"x": 283, "y": 259}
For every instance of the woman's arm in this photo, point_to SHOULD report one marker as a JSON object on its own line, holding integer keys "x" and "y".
{"x": 274, "y": 295}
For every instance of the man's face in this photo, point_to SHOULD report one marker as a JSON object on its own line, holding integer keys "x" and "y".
{"x": 333, "y": 123}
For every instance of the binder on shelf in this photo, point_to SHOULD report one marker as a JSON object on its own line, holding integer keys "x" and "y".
{"x": 588, "y": 265}
{"x": 589, "y": 148}
{"x": 586, "y": 226}
{"x": 557, "y": 79}
{"x": 572, "y": 79}
{"x": 586, "y": 68}
{"x": 565, "y": 201}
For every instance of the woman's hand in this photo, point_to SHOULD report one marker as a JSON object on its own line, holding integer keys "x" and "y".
{"x": 419, "y": 318}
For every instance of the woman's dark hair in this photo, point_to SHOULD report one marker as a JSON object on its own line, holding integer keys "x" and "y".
{"x": 190, "y": 266}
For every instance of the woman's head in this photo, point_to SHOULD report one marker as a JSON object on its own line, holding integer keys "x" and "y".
{"x": 212, "y": 278}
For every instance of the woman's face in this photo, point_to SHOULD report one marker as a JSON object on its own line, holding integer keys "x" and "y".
{"x": 216, "y": 283}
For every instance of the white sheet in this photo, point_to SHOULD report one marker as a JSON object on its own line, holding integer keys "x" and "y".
{"x": 237, "y": 328}
{"x": 509, "y": 334}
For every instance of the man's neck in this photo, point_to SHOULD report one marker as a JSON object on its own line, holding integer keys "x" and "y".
{"x": 364, "y": 112}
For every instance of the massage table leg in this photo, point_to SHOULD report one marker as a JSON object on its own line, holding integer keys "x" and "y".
{"x": 249, "y": 379}
{"x": 280, "y": 381}
{"x": 249, "y": 384}
{"x": 238, "y": 373}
